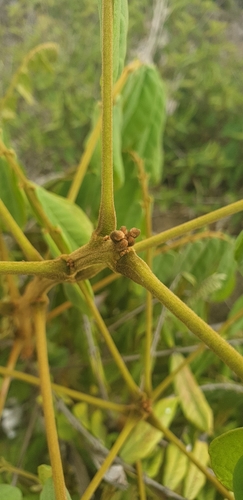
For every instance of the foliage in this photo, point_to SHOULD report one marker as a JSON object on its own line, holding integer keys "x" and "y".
{"x": 112, "y": 394}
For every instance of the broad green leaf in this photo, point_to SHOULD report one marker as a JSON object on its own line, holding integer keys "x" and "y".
{"x": 11, "y": 194}
{"x": 74, "y": 224}
{"x": 175, "y": 466}
{"x": 66, "y": 432}
{"x": 195, "y": 479}
{"x": 238, "y": 479}
{"x": 193, "y": 402}
{"x": 8, "y": 492}
{"x": 48, "y": 492}
{"x": 120, "y": 27}
{"x": 151, "y": 465}
{"x": 225, "y": 451}
{"x": 144, "y": 117}
{"x": 144, "y": 438}
{"x": 44, "y": 472}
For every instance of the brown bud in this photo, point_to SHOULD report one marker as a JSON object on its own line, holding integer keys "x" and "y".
{"x": 117, "y": 236}
{"x": 122, "y": 245}
{"x": 130, "y": 240}
{"x": 134, "y": 232}
{"x": 123, "y": 229}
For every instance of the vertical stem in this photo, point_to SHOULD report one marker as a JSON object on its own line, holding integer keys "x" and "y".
{"x": 147, "y": 202}
{"x": 46, "y": 392}
{"x": 14, "y": 354}
{"x": 134, "y": 389}
{"x": 107, "y": 215}
{"x": 141, "y": 485}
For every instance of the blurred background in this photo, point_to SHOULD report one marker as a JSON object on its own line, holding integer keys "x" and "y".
{"x": 197, "y": 47}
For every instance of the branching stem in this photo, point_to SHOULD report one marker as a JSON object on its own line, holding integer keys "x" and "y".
{"x": 137, "y": 270}
{"x": 39, "y": 309}
{"x": 191, "y": 225}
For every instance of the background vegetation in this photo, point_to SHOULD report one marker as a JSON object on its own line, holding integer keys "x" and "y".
{"x": 47, "y": 120}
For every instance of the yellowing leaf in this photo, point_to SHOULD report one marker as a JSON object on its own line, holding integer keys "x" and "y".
{"x": 193, "y": 402}
{"x": 144, "y": 438}
{"x": 195, "y": 479}
{"x": 175, "y": 466}
{"x": 80, "y": 410}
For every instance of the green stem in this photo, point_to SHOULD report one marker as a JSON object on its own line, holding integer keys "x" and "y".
{"x": 107, "y": 214}
{"x": 130, "y": 424}
{"x": 53, "y": 269}
{"x": 136, "y": 269}
{"x": 39, "y": 310}
{"x": 60, "y": 389}
{"x": 155, "y": 422}
{"x": 28, "y": 250}
{"x": 174, "y": 232}
{"x": 7, "y": 467}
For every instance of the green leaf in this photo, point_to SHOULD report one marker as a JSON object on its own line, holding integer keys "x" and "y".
{"x": 120, "y": 27}
{"x": 175, "y": 466}
{"x": 11, "y": 194}
{"x": 144, "y": 118}
{"x": 118, "y": 166}
{"x": 225, "y": 451}
{"x": 8, "y": 492}
{"x": 48, "y": 492}
{"x": 75, "y": 226}
{"x": 238, "y": 479}
{"x": 152, "y": 464}
{"x": 195, "y": 479}
{"x": 144, "y": 438}
{"x": 193, "y": 402}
